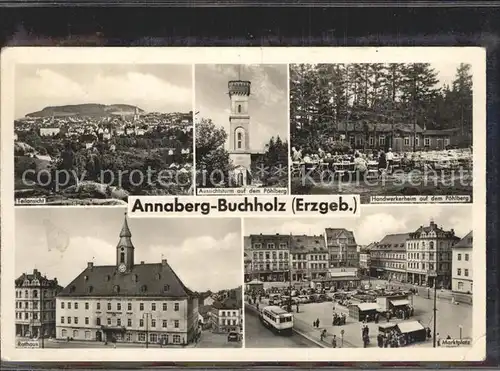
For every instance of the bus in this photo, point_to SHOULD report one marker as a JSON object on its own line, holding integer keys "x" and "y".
{"x": 277, "y": 319}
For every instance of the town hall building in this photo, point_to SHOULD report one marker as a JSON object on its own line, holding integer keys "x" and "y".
{"x": 128, "y": 302}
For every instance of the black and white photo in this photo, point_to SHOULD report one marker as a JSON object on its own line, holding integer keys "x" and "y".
{"x": 382, "y": 129}
{"x": 96, "y": 133}
{"x": 110, "y": 281}
{"x": 241, "y": 128}
{"x": 343, "y": 283}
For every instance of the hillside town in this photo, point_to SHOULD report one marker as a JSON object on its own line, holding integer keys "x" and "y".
{"x": 103, "y": 150}
{"x": 335, "y": 284}
{"x": 127, "y": 304}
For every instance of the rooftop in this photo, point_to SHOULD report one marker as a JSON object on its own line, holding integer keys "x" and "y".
{"x": 465, "y": 242}
{"x": 144, "y": 280}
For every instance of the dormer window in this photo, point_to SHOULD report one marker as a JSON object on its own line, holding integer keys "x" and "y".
{"x": 158, "y": 276}
{"x": 166, "y": 288}
{"x": 72, "y": 288}
{"x": 134, "y": 277}
{"x": 86, "y": 278}
{"x": 107, "y": 278}
{"x": 144, "y": 288}
{"x": 116, "y": 289}
{"x": 90, "y": 289}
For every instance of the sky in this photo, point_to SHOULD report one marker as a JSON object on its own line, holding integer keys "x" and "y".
{"x": 374, "y": 223}
{"x": 153, "y": 88}
{"x": 205, "y": 253}
{"x": 267, "y": 107}
{"x": 445, "y": 72}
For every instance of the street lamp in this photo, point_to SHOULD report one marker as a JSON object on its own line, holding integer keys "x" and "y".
{"x": 434, "y": 275}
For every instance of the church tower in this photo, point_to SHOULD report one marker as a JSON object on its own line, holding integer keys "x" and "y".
{"x": 125, "y": 249}
{"x": 239, "y": 131}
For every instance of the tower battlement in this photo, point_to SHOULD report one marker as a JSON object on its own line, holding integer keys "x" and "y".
{"x": 239, "y": 87}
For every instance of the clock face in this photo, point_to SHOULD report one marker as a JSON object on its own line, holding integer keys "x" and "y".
{"x": 122, "y": 268}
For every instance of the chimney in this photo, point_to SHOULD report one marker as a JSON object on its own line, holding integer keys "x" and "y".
{"x": 90, "y": 265}
{"x": 142, "y": 262}
{"x": 452, "y": 231}
{"x": 35, "y": 272}
{"x": 432, "y": 223}
{"x": 164, "y": 262}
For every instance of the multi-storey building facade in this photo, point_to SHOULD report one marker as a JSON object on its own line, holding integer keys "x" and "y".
{"x": 308, "y": 257}
{"x": 365, "y": 259}
{"x": 269, "y": 255}
{"x": 429, "y": 253}
{"x": 36, "y": 305}
{"x": 127, "y": 302}
{"x": 462, "y": 281}
{"x": 342, "y": 248}
{"x": 226, "y": 316}
{"x": 388, "y": 257}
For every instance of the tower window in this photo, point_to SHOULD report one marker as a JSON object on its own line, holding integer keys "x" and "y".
{"x": 122, "y": 257}
{"x": 239, "y": 142}
{"x": 239, "y": 108}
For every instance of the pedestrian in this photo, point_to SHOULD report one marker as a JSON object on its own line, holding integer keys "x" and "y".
{"x": 380, "y": 340}
{"x": 317, "y": 323}
{"x": 428, "y": 332}
{"x": 314, "y": 323}
{"x": 334, "y": 341}
{"x": 323, "y": 335}
{"x": 438, "y": 340}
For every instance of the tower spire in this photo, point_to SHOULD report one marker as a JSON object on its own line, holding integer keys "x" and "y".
{"x": 125, "y": 232}
{"x": 125, "y": 247}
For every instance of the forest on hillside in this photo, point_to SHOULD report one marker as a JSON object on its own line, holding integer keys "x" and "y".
{"x": 324, "y": 97}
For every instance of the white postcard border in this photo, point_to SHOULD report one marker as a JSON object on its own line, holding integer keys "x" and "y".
{"x": 24, "y": 55}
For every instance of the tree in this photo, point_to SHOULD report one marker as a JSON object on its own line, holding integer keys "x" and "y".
{"x": 276, "y": 159}
{"x": 328, "y": 100}
{"x": 212, "y": 159}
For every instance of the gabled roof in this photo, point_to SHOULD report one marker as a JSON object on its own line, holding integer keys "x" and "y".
{"x": 228, "y": 303}
{"x": 360, "y": 126}
{"x": 334, "y": 233}
{"x": 394, "y": 240}
{"x": 36, "y": 275}
{"x": 308, "y": 244}
{"x": 465, "y": 242}
{"x": 143, "y": 280}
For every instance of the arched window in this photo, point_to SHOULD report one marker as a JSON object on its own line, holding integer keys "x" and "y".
{"x": 239, "y": 138}
{"x": 239, "y": 108}
{"x": 122, "y": 257}
{"x": 25, "y": 293}
{"x": 431, "y": 245}
{"x": 35, "y": 293}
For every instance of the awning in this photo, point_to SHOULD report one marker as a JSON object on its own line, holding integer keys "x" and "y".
{"x": 387, "y": 325}
{"x": 398, "y": 303}
{"x": 411, "y": 326}
{"x": 367, "y": 306}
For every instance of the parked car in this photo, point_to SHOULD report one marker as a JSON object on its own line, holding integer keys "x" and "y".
{"x": 304, "y": 299}
{"x": 274, "y": 299}
{"x": 233, "y": 336}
